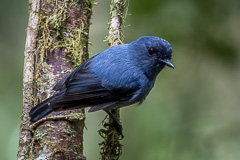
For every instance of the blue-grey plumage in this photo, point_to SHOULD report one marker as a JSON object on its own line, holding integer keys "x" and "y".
{"x": 132, "y": 66}
{"x": 119, "y": 76}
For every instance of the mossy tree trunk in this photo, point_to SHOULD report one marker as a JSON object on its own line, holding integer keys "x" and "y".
{"x": 57, "y": 41}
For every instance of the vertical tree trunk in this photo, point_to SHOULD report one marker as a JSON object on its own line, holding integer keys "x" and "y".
{"x": 57, "y": 41}
{"x": 111, "y": 148}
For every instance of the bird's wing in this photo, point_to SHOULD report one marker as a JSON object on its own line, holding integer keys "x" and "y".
{"x": 84, "y": 89}
{"x": 61, "y": 84}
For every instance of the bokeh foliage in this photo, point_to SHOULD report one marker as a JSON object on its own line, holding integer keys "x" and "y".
{"x": 193, "y": 110}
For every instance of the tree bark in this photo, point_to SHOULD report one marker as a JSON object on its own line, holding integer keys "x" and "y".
{"x": 111, "y": 148}
{"x": 57, "y": 41}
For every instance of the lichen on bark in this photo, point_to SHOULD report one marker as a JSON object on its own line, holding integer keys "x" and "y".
{"x": 58, "y": 32}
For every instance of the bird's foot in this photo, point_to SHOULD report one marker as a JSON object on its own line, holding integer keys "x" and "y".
{"x": 117, "y": 126}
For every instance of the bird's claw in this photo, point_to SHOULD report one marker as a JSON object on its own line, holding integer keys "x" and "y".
{"x": 117, "y": 127}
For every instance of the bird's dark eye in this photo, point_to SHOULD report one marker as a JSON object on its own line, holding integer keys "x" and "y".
{"x": 151, "y": 51}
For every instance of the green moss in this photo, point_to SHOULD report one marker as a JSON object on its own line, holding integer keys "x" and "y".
{"x": 76, "y": 116}
{"x": 70, "y": 131}
{"x": 54, "y": 32}
{"x": 74, "y": 45}
{"x": 77, "y": 148}
{"x": 39, "y": 135}
{"x": 58, "y": 29}
{"x": 49, "y": 130}
{"x": 119, "y": 10}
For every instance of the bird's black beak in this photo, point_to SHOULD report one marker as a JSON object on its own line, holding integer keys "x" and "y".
{"x": 167, "y": 62}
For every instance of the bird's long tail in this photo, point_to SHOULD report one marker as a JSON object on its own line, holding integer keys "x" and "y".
{"x": 41, "y": 110}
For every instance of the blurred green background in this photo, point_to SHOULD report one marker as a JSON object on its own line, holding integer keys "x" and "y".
{"x": 193, "y": 110}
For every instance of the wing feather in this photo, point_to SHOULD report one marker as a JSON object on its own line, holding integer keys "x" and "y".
{"x": 85, "y": 89}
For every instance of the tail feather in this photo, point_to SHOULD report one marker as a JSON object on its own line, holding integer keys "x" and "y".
{"x": 41, "y": 110}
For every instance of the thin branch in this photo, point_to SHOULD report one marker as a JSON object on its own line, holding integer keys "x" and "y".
{"x": 111, "y": 148}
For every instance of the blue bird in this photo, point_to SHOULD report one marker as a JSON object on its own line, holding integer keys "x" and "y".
{"x": 119, "y": 76}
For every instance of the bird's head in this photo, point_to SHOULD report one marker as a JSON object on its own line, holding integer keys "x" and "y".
{"x": 152, "y": 54}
